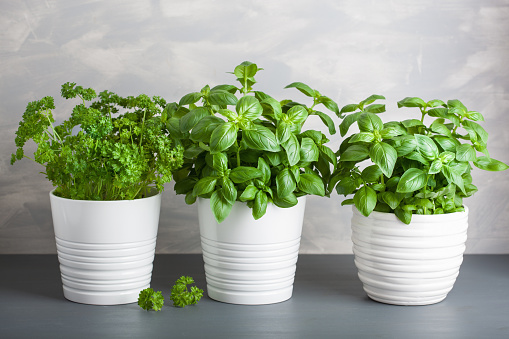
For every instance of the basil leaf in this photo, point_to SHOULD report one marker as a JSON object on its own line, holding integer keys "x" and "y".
{"x": 260, "y": 205}
{"x": 190, "y": 98}
{"x": 372, "y": 98}
{"x": 308, "y": 150}
{"x": 390, "y": 199}
{"x": 447, "y": 144}
{"x": 326, "y": 119}
{"x": 355, "y": 153}
{"x": 283, "y": 131}
{"x": 292, "y": 149}
{"x": 311, "y": 183}
{"x": 261, "y": 138}
{"x": 439, "y": 112}
{"x": 223, "y": 137}
{"x": 365, "y": 200}
{"x": 440, "y": 129}
{"x": 188, "y": 121}
{"x": 220, "y": 207}
{"x": 272, "y": 107}
{"x": 222, "y": 98}
{"x": 412, "y": 180}
{"x": 362, "y": 137}
{"x": 329, "y": 103}
{"x": 435, "y": 167}
{"x": 466, "y": 152}
{"x": 244, "y": 173}
{"x": 346, "y": 186}
{"x": 286, "y": 201}
{"x": 479, "y": 130}
{"x": 385, "y": 156}
{"x": 489, "y": 164}
{"x": 249, "y": 107}
{"x": 426, "y": 147}
{"x": 204, "y": 185}
{"x": 285, "y": 183}
{"x": 475, "y": 116}
{"x": 220, "y": 163}
{"x": 371, "y": 173}
{"x": 347, "y": 122}
{"x": 249, "y": 193}
{"x": 305, "y": 89}
{"x": 327, "y": 154}
{"x": 228, "y": 114}
{"x": 185, "y": 186}
{"x": 228, "y": 190}
{"x": 411, "y": 102}
{"x": 204, "y": 128}
{"x": 375, "y": 108}
{"x": 192, "y": 152}
{"x": 369, "y": 122}
{"x": 264, "y": 167}
{"x": 297, "y": 114}
{"x": 404, "y": 216}
{"x": 453, "y": 177}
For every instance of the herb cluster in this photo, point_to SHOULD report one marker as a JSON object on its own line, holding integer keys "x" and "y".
{"x": 244, "y": 145}
{"x": 418, "y": 168}
{"x": 151, "y": 300}
{"x": 180, "y": 295}
{"x": 121, "y": 149}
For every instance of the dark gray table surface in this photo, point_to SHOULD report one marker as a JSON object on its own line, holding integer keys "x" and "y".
{"x": 328, "y": 302}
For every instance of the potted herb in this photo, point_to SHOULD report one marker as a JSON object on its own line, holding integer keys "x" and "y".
{"x": 250, "y": 164}
{"x": 109, "y": 162}
{"x": 409, "y": 223}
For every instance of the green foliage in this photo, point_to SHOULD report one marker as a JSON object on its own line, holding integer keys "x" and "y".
{"x": 111, "y": 147}
{"x": 244, "y": 145}
{"x": 181, "y": 296}
{"x": 149, "y": 299}
{"x": 417, "y": 168}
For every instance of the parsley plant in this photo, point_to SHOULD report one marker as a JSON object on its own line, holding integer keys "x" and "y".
{"x": 111, "y": 147}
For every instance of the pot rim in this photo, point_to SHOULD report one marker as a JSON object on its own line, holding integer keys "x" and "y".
{"x": 387, "y": 216}
{"x": 153, "y": 196}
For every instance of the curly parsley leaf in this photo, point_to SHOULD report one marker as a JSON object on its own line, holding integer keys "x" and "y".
{"x": 181, "y": 296}
{"x": 149, "y": 299}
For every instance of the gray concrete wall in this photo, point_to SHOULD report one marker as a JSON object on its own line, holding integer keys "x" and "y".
{"x": 347, "y": 49}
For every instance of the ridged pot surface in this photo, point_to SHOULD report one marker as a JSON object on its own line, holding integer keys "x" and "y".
{"x": 105, "y": 248}
{"x": 248, "y": 261}
{"x": 415, "y": 264}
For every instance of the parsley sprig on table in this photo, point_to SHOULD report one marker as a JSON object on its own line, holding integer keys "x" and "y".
{"x": 149, "y": 299}
{"x": 181, "y": 296}
{"x": 111, "y": 147}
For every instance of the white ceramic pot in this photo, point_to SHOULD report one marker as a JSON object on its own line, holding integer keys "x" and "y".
{"x": 248, "y": 261}
{"x": 105, "y": 248}
{"x": 415, "y": 264}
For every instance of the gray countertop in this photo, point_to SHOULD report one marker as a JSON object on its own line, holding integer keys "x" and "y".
{"x": 328, "y": 302}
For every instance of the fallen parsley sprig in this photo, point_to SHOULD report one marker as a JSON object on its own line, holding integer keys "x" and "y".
{"x": 181, "y": 296}
{"x": 149, "y": 299}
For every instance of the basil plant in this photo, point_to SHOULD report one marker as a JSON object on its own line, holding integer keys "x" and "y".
{"x": 417, "y": 167}
{"x": 244, "y": 145}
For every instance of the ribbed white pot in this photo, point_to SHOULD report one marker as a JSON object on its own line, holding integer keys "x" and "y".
{"x": 105, "y": 248}
{"x": 248, "y": 261}
{"x": 415, "y": 264}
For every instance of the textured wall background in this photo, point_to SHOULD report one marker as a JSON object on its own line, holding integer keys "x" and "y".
{"x": 347, "y": 49}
